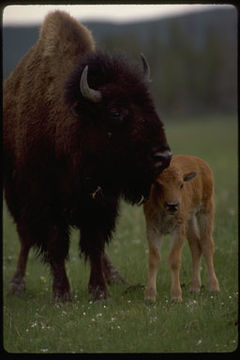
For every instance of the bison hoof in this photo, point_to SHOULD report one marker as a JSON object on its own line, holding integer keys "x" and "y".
{"x": 111, "y": 273}
{"x": 98, "y": 293}
{"x": 17, "y": 286}
{"x": 62, "y": 298}
{"x": 115, "y": 278}
{"x": 62, "y": 295}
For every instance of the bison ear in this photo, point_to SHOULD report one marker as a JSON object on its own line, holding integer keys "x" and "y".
{"x": 146, "y": 68}
{"x": 74, "y": 109}
{"x": 157, "y": 186}
{"x": 189, "y": 176}
{"x": 88, "y": 93}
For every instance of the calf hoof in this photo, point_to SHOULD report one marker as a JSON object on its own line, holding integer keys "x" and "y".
{"x": 214, "y": 288}
{"x": 195, "y": 289}
{"x": 17, "y": 286}
{"x": 150, "y": 296}
{"x": 214, "y": 285}
{"x": 176, "y": 295}
{"x": 176, "y": 299}
{"x": 149, "y": 301}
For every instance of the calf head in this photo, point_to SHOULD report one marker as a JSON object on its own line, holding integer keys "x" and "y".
{"x": 120, "y": 133}
{"x": 168, "y": 188}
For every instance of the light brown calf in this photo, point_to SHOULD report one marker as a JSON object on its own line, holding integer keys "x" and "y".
{"x": 181, "y": 203}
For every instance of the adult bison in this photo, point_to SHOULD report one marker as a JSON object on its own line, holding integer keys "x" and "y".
{"x": 80, "y": 131}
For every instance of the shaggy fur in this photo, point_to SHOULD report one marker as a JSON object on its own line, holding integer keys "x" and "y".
{"x": 68, "y": 160}
{"x": 181, "y": 204}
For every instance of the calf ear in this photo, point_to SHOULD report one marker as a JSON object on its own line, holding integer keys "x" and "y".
{"x": 189, "y": 176}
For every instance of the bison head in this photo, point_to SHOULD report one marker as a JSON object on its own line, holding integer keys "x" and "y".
{"x": 117, "y": 130}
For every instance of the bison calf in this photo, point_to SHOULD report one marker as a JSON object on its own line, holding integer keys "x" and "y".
{"x": 181, "y": 204}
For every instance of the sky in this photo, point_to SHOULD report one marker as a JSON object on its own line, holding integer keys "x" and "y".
{"x": 29, "y": 14}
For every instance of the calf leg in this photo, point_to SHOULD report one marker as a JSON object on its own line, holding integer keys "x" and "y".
{"x": 154, "y": 259}
{"x": 17, "y": 284}
{"x": 196, "y": 251}
{"x": 174, "y": 261}
{"x": 207, "y": 244}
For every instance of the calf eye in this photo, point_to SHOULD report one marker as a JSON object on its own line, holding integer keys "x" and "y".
{"x": 181, "y": 186}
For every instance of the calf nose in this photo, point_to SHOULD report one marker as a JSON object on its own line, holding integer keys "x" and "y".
{"x": 162, "y": 159}
{"x": 172, "y": 206}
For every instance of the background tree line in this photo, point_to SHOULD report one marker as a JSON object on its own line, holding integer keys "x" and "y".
{"x": 193, "y": 58}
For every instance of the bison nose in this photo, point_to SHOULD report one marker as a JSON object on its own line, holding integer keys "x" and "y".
{"x": 162, "y": 159}
{"x": 172, "y": 206}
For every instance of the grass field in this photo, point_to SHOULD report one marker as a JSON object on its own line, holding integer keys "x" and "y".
{"x": 125, "y": 324}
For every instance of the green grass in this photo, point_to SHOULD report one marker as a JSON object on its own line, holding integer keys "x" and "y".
{"x": 203, "y": 323}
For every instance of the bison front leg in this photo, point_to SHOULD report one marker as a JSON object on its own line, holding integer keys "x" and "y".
{"x": 92, "y": 246}
{"x": 97, "y": 285}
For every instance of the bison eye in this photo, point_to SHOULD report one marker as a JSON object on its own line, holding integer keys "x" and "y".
{"x": 181, "y": 186}
{"x": 118, "y": 116}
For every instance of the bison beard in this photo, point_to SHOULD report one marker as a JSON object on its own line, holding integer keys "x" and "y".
{"x": 80, "y": 132}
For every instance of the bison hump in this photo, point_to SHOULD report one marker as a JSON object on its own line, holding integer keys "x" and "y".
{"x": 62, "y": 34}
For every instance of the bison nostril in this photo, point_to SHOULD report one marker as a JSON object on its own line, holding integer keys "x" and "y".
{"x": 171, "y": 206}
{"x": 162, "y": 158}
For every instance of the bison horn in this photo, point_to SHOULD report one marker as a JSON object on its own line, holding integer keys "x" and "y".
{"x": 141, "y": 201}
{"x": 146, "y": 68}
{"x": 90, "y": 94}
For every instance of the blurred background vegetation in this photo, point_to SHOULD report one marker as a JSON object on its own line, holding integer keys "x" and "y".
{"x": 193, "y": 58}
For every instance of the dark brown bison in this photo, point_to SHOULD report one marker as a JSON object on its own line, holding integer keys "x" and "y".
{"x": 80, "y": 131}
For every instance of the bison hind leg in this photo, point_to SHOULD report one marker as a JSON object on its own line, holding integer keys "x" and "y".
{"x": 57, "y": 252}
{"x": 111, "y": 273}
{"x": 17, "y": 284}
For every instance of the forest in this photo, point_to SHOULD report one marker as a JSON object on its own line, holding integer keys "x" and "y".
{"x": 193, "y": 58}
